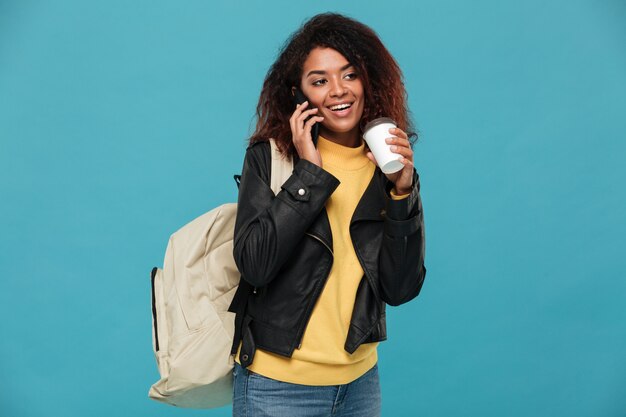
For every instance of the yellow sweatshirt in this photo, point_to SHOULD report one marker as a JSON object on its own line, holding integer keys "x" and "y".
{"x": 321, "y": 359}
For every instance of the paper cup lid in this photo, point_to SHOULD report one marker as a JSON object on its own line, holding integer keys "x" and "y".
{"x": 379, "y": 121}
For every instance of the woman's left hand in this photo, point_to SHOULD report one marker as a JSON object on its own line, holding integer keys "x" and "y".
{"x": 400, "y": 144}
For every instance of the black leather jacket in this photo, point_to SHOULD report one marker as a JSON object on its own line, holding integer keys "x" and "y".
{"x": 283, "y": 248}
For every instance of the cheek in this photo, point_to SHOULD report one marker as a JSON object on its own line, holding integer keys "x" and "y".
{"x": 360, "y": 94}
{"x": 315, "y": 98}
{"x": 361, "y": 108}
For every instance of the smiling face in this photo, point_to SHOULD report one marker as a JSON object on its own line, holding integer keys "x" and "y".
{"x": 332, "y": 85}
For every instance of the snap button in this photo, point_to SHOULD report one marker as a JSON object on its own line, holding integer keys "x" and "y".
{"x": 301, "y": 191}
{"x": 244, "y": 357}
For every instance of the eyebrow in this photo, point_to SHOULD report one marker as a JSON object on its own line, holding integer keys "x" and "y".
{"x": 320, "y": 72}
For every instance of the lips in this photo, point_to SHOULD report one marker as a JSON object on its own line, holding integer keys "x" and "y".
{"x": 340, "y": 109}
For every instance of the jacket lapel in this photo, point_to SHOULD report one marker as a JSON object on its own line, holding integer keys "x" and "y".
{"x": 372, "y": 203}
{"x": 370, "y": 208}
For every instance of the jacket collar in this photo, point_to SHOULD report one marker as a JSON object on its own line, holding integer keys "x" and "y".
{"x": 370, "y": 208}
{"x": 372, "y": 203}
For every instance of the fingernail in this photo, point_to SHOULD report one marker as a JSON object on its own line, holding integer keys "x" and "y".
{"x": 394, "y": 147}
{"x": 388, "y": 140}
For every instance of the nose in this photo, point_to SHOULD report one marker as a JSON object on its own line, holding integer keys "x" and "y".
{"x": 337, "y": 88}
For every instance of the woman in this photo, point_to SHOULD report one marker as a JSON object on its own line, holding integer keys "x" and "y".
{"x": 320, "y": 260}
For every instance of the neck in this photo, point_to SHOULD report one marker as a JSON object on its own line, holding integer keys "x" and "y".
{"x": 351, "y": 139}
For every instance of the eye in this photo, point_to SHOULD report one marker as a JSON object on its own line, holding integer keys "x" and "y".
{"x": 319, "y": 82}
{"x": 351, "y": 76}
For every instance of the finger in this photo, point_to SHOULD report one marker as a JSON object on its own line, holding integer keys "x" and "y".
{"x": 302, "y": 106}
{"x": 302, "y": 121}
{"x": 294, "y": 116}
{"x": 306, "y": 114}
{"x": 405, "y": 152}
{"x": 309, "y": 124}
{"x": 398, "y": 141}
{"x": 398, "y": 132}
{"x": 299, "y": 109}
{"x": 407, "y": 164}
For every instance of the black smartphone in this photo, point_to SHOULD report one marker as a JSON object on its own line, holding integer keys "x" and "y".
{"x": 299, "y": 98}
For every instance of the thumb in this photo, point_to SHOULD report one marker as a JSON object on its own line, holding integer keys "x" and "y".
{"x": 370, "y": 155}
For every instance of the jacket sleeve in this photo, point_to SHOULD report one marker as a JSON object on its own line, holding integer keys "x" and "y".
{"x": 268, "y": 228}
{"x": 401, "y": 262}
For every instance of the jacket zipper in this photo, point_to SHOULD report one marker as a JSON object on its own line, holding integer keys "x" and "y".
{"x": 322, "y": 242}
{"x": 318, "y": 290}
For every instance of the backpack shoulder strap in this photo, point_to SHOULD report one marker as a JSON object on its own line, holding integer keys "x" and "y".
{"x": 282, "y": 167}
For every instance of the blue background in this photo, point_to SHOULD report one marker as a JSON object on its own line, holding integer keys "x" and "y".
{"x": 121, "y": 121}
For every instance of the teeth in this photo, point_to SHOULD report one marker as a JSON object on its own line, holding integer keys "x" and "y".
{"x": 340, "y": 106}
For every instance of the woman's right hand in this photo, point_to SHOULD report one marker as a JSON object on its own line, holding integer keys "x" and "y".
{"x": 301, "y": 133}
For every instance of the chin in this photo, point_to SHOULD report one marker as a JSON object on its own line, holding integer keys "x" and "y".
{"x": 340, "y": 129}
{"x": 345, "y": 127}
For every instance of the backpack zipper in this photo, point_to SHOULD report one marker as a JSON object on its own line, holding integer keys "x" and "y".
{"x": 154, "y": 312}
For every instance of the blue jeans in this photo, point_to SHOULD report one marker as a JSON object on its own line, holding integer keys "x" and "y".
{"x": 257, "y": 396}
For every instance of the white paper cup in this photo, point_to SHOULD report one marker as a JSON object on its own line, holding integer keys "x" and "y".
{"x": 375, "y": 133}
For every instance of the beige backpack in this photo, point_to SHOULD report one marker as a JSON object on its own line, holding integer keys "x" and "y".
{"x": 192, "y": 331}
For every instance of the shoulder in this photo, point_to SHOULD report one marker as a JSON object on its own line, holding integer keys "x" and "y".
{"x": 258, "y": 158}
{"x": 258, "y": 148}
